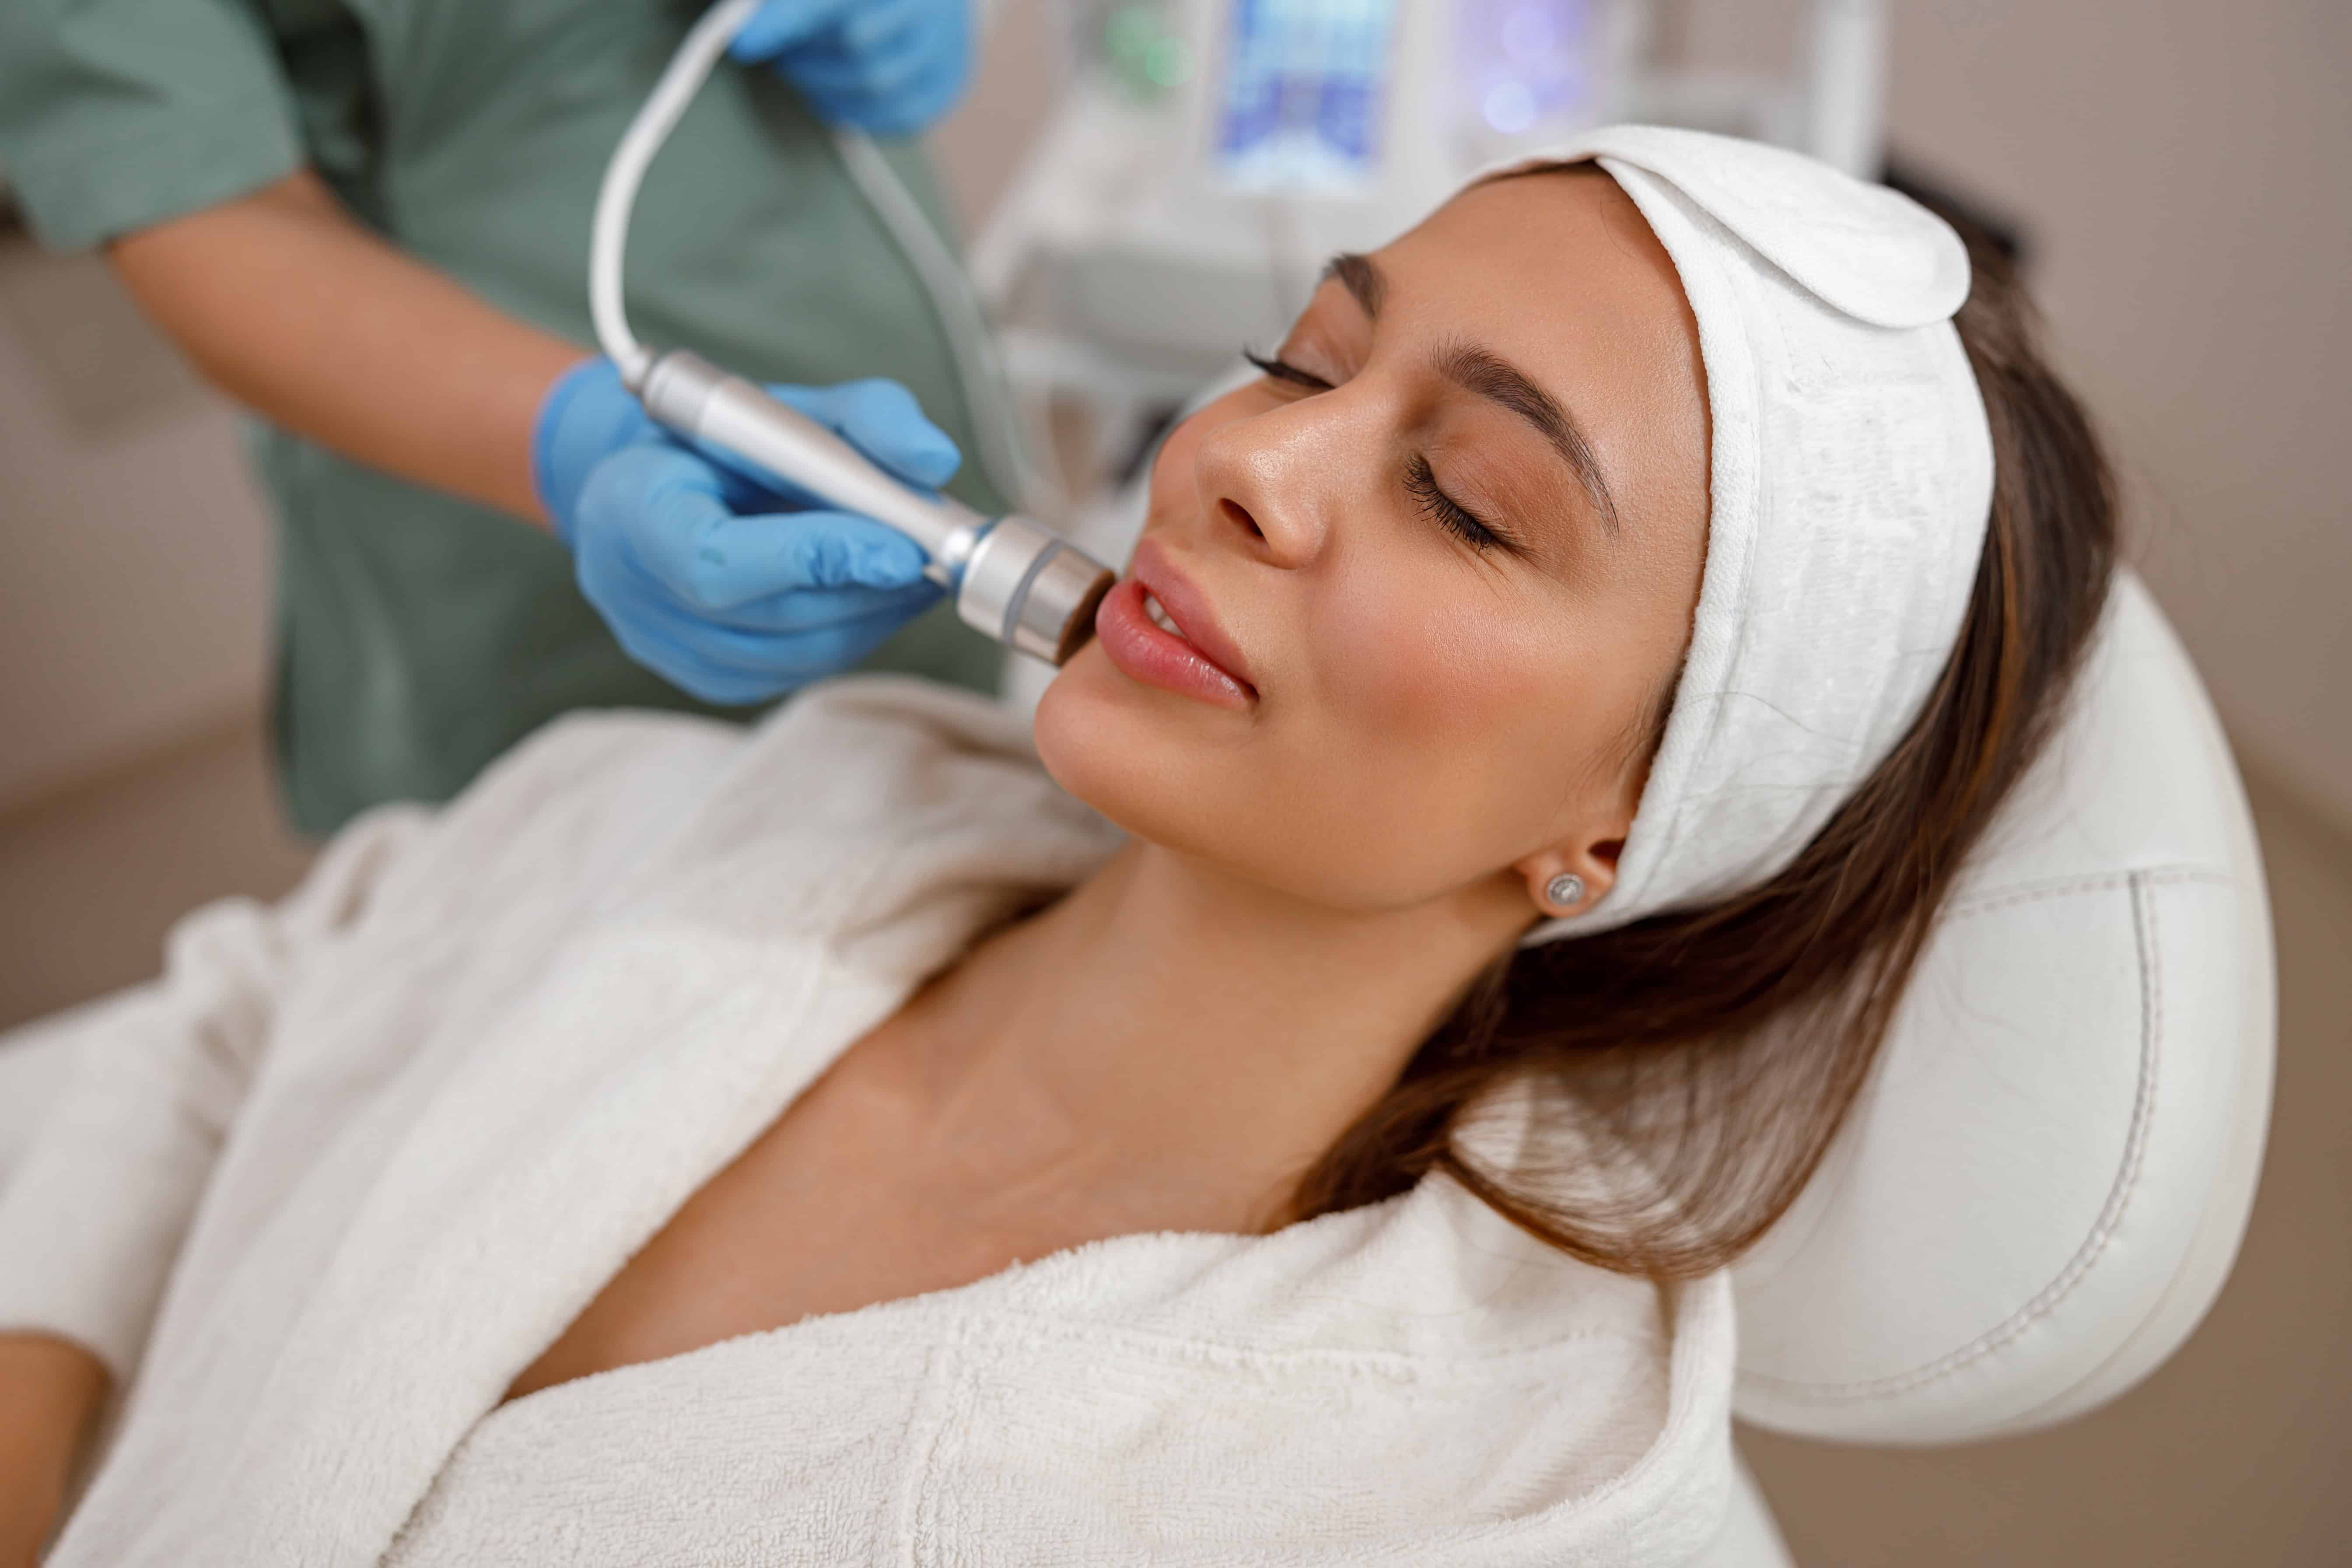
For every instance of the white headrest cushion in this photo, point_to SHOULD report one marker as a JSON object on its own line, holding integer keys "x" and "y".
{"x": 2043, "y": 1185}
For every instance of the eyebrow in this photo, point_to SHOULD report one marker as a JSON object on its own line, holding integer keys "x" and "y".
{"x": 1362, "y": 278}
{"x": 1481, "y": 373}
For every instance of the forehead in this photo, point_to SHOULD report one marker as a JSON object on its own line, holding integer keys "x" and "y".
{"x": 1565, "y": 236}
{"x": 1557, "y": 271}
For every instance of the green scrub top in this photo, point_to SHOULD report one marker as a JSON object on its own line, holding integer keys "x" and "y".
{"x": 419, "y": 635}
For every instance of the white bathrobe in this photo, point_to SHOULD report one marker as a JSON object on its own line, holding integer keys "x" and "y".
{"x": 356, "y": 1160}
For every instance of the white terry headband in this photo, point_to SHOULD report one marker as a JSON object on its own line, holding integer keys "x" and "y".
{"x": 1851, "y": 481}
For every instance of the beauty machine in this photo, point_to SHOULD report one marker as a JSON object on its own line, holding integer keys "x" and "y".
{"x": 1012, "y": 578}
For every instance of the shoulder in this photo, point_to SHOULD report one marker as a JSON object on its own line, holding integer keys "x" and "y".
{"x": 587, "y": 773}
{"x": 895, "y": 746}
{"x": 862, "y": 749}
{"x": 876, "y": 798}
{"x": 575, "y": 803}
{"x": 866, "y": 740}
{"x": 846, "y": 805}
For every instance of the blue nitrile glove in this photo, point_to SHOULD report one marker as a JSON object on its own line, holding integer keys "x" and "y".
{"x": 891, "y": 67}
{"x": 585, "y": 417}
{"x": 728, "y": 589}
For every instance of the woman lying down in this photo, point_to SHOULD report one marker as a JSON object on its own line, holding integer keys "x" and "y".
{"x": 1297, "y": 1106}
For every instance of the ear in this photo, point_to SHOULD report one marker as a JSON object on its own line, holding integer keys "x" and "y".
{"x": 1593, "y": 865}
{"x": 1590, "y": 856}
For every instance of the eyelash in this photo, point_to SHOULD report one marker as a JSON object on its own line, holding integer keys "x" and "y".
{"x": 1449, "y": 513}
{"x": 1420, "y": 480}
{"x": 1283, "y": 370}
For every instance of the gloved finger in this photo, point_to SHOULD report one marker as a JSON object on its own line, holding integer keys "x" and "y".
{"x": 886, "y": 70}
{"x": 658, "y": 511}
{"x": 711, "y": 559}
{"x": 918, "y": 104}
{"x": 895, "y": 112}
{"x": 721, "y": 665}
{"x": 626, "y": 592}
{"x": 619, "y": 578}
{"x": 881, "y": 419}
{"x": 586, "y": 416}
{"x": 780, "y": 25}
{"x": 814, "y": 609}
{"x": 886, "y": 27}
{"x": 836, "y": 64}
{"x": 877, "y": 31}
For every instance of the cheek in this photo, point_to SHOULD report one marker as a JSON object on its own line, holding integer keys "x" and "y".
{"x": 1451, "y": 724}
{"x": 1446, "y": 670}
{"x": 1426, "y": 739}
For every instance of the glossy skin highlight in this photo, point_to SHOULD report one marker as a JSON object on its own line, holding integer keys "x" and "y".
{"x": 1456, "y": 643}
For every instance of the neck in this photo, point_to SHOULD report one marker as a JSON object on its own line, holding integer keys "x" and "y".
{"x": 1174, "y": 1040}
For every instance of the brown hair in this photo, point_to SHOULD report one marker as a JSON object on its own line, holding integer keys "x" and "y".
{"x": 1695, "y": 1067}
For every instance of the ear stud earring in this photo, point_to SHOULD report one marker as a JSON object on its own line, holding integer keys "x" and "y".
{"x": 1565, "y": 891}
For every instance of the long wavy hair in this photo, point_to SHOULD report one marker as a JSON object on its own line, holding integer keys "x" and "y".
{"x": 1693, "y": 1067}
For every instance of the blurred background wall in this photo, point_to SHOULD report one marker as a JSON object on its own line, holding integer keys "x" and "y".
{"x": 2183, "y": 172}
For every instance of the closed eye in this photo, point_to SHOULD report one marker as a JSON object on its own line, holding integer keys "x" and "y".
{"x": 1447, "y": 512}
{"x": 1283, "y": 370}
{"x": 1419, "y": 479}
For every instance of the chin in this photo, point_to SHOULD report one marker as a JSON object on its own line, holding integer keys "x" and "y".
{"x": 1127, "y": 752}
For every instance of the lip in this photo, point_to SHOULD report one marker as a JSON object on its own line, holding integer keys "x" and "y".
{"x": 1203, "y": 663}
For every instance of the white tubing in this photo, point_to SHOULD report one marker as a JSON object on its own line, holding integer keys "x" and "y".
{"x": 609, "y": 239}
{"x": 1003, "y": 454}
{"x": 987, "y": 394}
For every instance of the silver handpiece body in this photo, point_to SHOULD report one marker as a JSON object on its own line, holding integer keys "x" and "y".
{"x": 1014, "y": 579}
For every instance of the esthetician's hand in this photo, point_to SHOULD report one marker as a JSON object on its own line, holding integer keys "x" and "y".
{"x": 891, "y": 67}
{"x": 731, "y": 591}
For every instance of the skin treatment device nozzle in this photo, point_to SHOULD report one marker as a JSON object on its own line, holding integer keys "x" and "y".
{"x": 1014, "y": 579}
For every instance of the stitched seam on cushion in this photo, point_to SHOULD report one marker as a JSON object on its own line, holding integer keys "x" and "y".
{"x": 1988, "y": 903}
{"x": 2110, "y": 1215}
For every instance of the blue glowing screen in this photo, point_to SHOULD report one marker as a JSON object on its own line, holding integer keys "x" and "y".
{"x": 1303, "y": 92}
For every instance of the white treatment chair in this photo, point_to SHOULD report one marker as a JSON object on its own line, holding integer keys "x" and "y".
{"x": 2044, "y": 1183}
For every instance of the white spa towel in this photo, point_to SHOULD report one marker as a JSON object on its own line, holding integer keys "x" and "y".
{"x": 357, "y": 1160}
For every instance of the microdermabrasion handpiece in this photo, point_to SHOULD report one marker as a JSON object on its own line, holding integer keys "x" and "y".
{"x": 1013, "y": 578}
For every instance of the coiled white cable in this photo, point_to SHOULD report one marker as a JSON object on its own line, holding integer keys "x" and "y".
{"x": 1003, "y": 454}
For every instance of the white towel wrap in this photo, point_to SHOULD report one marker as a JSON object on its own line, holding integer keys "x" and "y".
{"x": 1851, "y": 480}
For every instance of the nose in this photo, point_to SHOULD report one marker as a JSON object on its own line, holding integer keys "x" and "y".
{"x": 1272, "y": 481}
{"x": 1237, "y": 515}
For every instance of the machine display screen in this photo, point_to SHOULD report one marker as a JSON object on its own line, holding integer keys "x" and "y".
{"x": 1303, "y": 93}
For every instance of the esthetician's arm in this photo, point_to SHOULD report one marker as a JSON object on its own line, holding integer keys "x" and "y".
{"x": 50, "y": 1394}
{"x": 294, "y": 309}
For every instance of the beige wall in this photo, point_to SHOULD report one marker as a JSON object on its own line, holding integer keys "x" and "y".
{"x": 2186, "y": 167}
{"x": 133, "y": 572}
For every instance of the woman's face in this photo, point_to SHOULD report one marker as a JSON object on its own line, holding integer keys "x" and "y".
{"x": 1432, "y": 573}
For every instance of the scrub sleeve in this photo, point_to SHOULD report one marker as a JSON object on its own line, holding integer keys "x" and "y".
{"x": 418, "y": 636}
